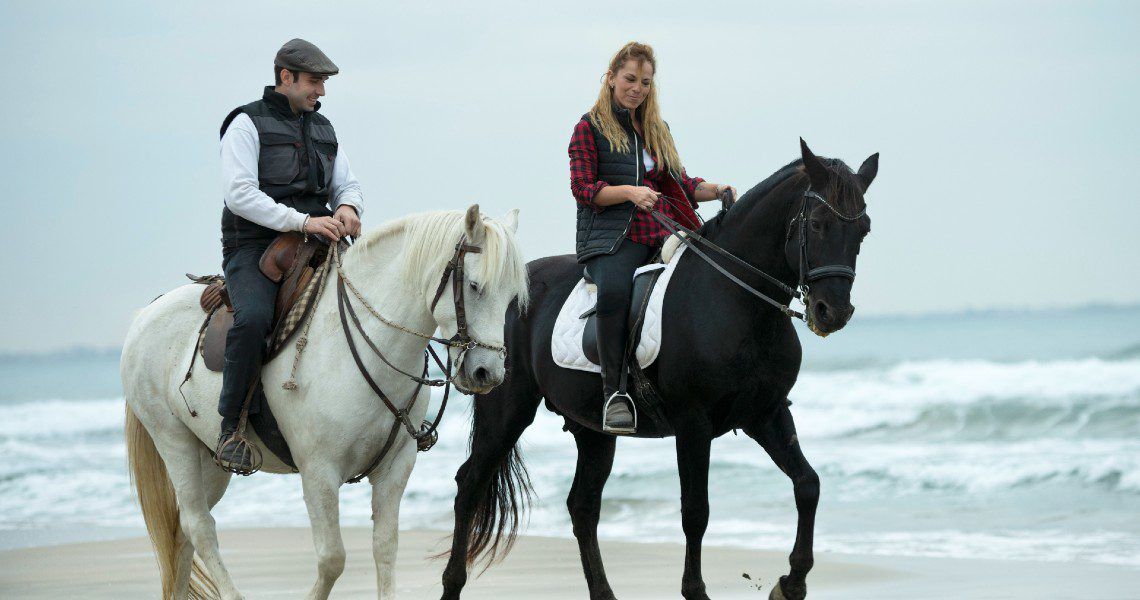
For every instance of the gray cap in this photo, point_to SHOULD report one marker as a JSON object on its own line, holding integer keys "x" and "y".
{"x": 299, "y": 55}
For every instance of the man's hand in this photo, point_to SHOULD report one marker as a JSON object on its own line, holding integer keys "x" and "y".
{"x": 346, "y": 214}
{"x": 327, "y": 227}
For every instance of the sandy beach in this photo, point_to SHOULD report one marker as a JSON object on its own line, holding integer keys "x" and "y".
{"x": 279, "y": 563}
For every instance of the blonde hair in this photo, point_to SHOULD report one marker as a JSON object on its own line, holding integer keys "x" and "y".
{"x": 658, "y": 140}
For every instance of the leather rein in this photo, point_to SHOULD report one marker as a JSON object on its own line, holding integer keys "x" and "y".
{"x": 426, "y": 434}
{"x": 806, "y": 274}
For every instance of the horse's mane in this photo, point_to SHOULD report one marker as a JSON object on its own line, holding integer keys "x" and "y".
{"x": 430, "y": 242}
{"x": 842, "y": 184}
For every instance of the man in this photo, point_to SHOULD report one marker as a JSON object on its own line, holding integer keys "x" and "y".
{"x": 282, "y": 170}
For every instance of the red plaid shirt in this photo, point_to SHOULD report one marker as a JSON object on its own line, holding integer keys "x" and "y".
{"x": 585, "y": 185}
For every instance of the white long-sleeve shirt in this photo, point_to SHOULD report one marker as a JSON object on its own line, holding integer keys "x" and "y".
{"x": 241, "y": 147}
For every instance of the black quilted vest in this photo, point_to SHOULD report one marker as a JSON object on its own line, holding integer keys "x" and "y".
{"x": 294, "y": 167}
{"x": 601, "y": 232}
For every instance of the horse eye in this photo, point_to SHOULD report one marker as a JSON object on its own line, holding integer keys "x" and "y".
{"x": 815, "y": 225}
{"x": 474, "y": 287}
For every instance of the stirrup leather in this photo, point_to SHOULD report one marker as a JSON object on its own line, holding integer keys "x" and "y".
{"x": 606, "y": 409}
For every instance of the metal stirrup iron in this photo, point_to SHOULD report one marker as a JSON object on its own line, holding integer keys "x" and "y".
{"x": 606, "y": 428}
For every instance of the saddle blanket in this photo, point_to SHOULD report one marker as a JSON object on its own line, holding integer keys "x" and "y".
{"x": 566, "y": 341}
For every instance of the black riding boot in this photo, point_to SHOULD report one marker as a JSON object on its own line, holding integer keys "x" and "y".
{"x": 619, "y": 414}
{"x": 613, "y": 274}
{"x": 231, "y": 455}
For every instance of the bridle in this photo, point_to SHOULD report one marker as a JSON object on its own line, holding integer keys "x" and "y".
{"x": 454, "y": 272}
{"x": 806, "y": 275}
{"x": 426, "y": 434}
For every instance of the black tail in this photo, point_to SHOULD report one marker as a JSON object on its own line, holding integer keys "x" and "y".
{"x": 494, "y": 489}
{"x": 502, "y": 505}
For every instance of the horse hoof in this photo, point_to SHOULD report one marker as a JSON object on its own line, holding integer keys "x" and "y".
{"x": 793, "y": 594}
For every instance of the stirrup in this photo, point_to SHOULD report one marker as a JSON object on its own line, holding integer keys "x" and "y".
{"x": 238, "y": 455}
{"x": 606, "y": 428}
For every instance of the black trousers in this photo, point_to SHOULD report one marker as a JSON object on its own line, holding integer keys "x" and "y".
{"x": 613, "y": 274}
{"x": 253, "y": 296}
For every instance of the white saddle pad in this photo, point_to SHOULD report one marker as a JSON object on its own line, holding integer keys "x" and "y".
{"x": 566, "y": 343}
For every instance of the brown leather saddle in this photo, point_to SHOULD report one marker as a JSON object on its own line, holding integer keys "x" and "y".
{"x": 289, "y": 261}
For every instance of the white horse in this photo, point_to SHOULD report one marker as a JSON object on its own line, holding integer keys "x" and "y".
{"x": 333, "y": 421}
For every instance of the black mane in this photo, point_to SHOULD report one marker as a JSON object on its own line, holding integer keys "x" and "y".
{"x": 842, "y": 185}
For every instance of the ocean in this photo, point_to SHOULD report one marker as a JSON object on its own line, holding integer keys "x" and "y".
{"x": 1012, "y": 435}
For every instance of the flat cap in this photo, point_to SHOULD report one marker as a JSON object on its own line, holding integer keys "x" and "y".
{"x": 299, "y": 55}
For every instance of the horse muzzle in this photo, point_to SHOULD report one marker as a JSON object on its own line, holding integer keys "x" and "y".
{"x": 824, "y": 318}
{"x": 480, "y": 371}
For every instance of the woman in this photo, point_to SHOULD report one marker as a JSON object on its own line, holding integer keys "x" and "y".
{"x": 623, "y": 165}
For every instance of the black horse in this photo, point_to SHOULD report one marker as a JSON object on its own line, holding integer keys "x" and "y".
{"x": 727, "y": 361}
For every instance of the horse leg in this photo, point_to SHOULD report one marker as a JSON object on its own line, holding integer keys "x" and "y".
{"x": 193, "y": 483}
{"x": 595, "y": 459}
{"x": 387, "y": 490}
{"x": 693, "y": 467}
{"x": 321, "y": 487}
{"x": 486, "y": 481}
{"x": 214, "y": 484}
{"x": 778, "y": 437}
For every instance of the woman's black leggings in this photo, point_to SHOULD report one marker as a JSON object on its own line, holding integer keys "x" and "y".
{"x": 613, "y": 274}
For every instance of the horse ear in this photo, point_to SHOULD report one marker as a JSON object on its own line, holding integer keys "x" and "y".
{"x": 473, "y": 223}
{"x": 868, "y": 170}
{"x": 512, "y": 220}
{"x": 817, "y": 173}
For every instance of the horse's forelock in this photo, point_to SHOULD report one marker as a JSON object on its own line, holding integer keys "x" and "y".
{"x": 503, "y": 265}
{"x": 844, "y": 185}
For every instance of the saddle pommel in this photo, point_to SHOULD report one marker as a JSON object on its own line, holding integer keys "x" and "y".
{"x": 281, "y": 255}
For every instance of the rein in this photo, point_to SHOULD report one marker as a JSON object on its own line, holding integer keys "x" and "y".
{"x": 673, "y": 227}
{"x": 806, "y": 275}
{"x": 426, "y": 434}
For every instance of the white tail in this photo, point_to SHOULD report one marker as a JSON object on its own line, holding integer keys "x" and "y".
{"x": 160, "y": 512}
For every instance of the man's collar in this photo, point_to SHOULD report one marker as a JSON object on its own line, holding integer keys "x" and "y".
{"x": 280, "y": 103}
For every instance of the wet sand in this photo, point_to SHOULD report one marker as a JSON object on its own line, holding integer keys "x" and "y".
{"x": 280, "y": 563}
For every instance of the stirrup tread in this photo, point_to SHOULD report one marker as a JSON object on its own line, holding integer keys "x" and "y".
{"x": 606, "y": 428}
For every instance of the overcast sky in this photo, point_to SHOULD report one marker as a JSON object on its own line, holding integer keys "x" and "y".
{"x": 1008, "y": 133}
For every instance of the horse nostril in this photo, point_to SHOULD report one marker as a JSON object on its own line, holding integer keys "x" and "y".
{"x": 481, "y": 374}
{"x": 822, "y": 311}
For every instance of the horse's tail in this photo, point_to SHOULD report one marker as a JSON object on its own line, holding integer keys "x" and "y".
{"x": 498, "y": 481}
{"x": 499, "y": 510}
{"x": 160, "y": 512}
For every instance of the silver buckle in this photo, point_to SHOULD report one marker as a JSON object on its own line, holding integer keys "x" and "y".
{"x": 606, "y": 409}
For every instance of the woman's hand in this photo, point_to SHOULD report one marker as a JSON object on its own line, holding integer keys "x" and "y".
{"x": 643, "y": 197}
{"x": 711, "y": 191}
{"x": 721, "y": 188}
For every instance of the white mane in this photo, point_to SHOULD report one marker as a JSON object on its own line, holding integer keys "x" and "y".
{"x": 430, "y": 240}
